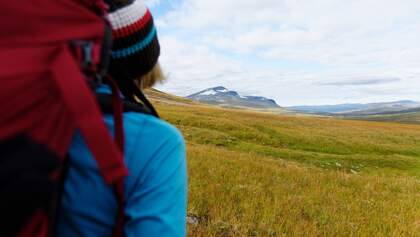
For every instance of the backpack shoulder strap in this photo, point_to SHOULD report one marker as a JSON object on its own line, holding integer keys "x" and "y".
{"x": 105, "y": 103}
{"x": 108, "y": 105}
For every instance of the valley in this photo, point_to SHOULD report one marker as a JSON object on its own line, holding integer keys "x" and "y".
{"x": 266, "y": 174}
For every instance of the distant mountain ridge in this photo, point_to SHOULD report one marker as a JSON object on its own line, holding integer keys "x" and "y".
{"x": 222, "y": 96}
{"x": 402, "y": 106}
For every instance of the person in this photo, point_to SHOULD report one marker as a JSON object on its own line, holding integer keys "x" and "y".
{"x": 155, "y": 191}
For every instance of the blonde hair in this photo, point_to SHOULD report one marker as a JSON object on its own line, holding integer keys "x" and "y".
{"x": 151, "y": 78}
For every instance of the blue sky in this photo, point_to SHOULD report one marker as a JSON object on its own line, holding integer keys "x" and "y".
{"x": 294, "y": 51}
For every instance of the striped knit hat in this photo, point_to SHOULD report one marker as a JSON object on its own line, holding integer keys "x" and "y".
{"x": 135, "y": 48}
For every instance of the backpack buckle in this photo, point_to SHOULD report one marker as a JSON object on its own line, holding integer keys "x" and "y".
{"x": 87, "y": 52}
{"x": 83, "y": 51}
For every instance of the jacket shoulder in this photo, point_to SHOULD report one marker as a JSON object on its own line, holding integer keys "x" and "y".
{"x": 148, "y": 142}
{"x": 150, "y": 130}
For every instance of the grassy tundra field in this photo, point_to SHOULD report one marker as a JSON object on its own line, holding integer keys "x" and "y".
{"x": 260, "y": 174}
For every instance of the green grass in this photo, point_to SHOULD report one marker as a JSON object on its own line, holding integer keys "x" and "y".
{"x": 260, "y": 174}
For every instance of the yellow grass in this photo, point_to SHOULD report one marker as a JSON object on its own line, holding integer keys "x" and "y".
{"x": 238, "y": 194}
{"x": 256, "y": 174}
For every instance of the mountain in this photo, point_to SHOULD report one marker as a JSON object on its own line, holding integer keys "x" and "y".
{"x": 221, "y": 96}
{"x": 402, "y": 106}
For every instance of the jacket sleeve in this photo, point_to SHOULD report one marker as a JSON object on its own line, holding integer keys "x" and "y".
{"x": 157, "y": 204}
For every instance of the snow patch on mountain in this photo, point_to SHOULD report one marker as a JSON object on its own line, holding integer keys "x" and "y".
{"x": 209, "y": 92}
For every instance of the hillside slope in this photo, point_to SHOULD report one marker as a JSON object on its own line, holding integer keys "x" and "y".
{"x": 402, "y": 106}
{"x": 255, "y": 174}
{"x": 408, "y": 117}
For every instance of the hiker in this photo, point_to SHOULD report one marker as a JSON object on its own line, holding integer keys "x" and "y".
{"x": 66, "y": 167}
{"x": 155, "y": 190}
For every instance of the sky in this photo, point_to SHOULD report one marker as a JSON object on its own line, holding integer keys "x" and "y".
{"x": 297, "y": 52}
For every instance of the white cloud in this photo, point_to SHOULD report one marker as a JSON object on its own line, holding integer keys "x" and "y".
{"x": 286, "y": 49}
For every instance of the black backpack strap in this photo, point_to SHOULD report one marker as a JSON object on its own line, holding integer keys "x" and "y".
{"x": 139, "y": 94}
{"x": 25, "y": 181}
{"x": 105, "y": 103}
{"x": 131, "y": 91}
{"x": 56, "y": 201}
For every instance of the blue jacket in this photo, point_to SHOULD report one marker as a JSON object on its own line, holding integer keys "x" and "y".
{"x": 155, "y": 190}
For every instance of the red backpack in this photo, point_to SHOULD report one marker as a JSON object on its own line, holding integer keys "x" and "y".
{"x": 50, "y": 54}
